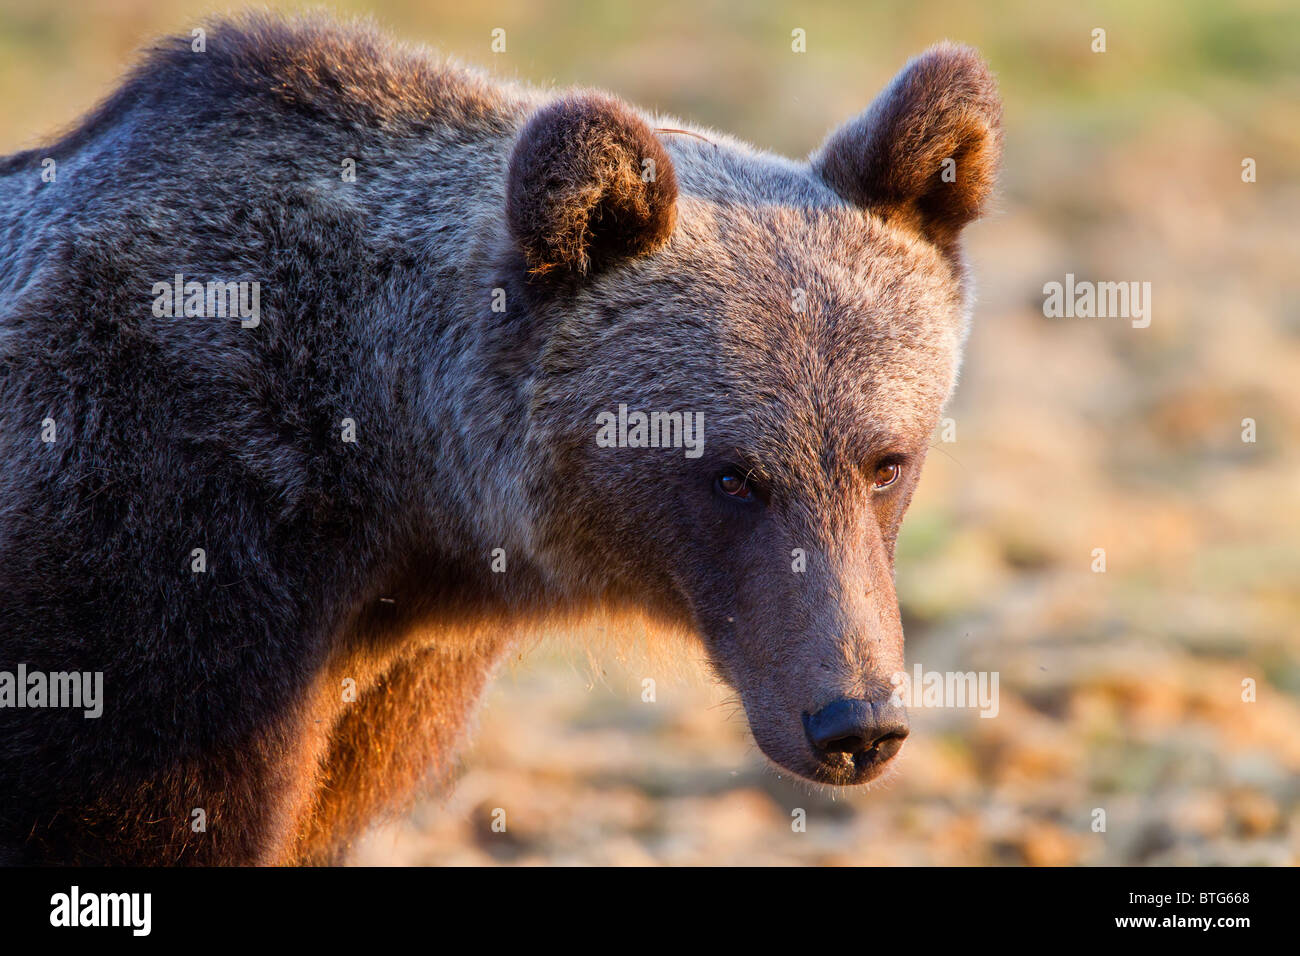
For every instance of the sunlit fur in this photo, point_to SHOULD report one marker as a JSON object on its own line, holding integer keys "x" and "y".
{"x": 371, "y": 561}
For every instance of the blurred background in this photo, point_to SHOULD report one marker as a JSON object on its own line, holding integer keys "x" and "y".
{"x": 1120, "y": 691}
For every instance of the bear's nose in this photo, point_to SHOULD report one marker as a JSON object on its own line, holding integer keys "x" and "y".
{"x": 858, "y": 727}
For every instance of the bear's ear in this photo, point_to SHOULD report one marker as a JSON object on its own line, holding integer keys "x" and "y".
{"x": 589, "y": 184}
{"x": 925, "y": 154}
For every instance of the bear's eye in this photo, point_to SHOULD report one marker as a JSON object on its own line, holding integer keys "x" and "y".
{"x": 886, "y": 475}
{"x": 735, "y": 485}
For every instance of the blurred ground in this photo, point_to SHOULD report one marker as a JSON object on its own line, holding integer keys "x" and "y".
{"x": 1120, "y": 691}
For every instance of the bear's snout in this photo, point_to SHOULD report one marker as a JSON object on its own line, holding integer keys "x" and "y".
{"x": 856, "y": 738}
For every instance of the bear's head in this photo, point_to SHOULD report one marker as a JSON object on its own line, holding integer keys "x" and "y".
{"x": 808, "y": 318}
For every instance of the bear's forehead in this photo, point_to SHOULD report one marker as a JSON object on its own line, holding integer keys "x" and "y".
{"x": 818, "y": 299}
{"x": 800, "y": 333}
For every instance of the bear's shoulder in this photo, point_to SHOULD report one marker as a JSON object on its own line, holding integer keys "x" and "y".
{"x": 258, "y": 68}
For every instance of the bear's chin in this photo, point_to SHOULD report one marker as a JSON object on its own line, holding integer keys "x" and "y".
{"x": 838, "y": 770}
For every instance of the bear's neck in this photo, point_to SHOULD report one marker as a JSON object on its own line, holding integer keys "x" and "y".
{"x": 457, "y": 336}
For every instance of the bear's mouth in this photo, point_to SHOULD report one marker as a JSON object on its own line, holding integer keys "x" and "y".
{"x": 851, "y": 770}
{"x": 836, "y": 769}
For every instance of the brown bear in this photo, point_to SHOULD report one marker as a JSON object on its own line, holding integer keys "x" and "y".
{"x": 329, "y": 370}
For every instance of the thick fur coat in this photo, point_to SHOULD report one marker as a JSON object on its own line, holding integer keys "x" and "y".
{"x": 293, "y": 627}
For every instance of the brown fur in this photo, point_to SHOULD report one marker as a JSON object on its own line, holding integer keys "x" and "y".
{"x": 371, "y": 562}
{"x": 943, "y": 105}
{"x": 576, "y": 192}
